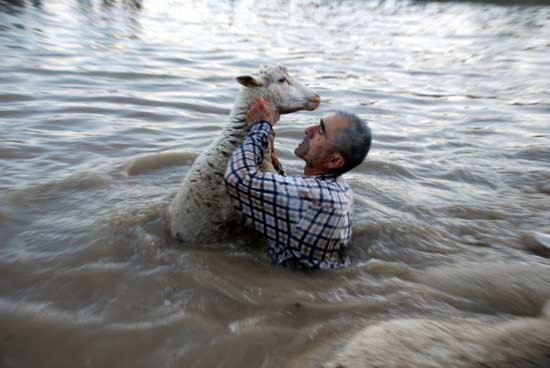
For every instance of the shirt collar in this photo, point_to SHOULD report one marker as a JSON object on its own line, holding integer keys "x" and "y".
{"x": 326, "y": 176}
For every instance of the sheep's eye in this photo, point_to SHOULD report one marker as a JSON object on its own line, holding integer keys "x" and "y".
{"x": 282, "y": 80}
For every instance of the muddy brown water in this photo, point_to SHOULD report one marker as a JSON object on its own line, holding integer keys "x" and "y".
{"x": 104, "y": 106}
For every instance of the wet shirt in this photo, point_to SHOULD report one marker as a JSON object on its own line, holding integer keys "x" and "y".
{"x": 305, "y": 218}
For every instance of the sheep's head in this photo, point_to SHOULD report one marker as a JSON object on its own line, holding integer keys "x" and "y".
{"x": 285, "y": 93}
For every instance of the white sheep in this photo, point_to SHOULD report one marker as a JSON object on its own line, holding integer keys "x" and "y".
{"x": 458, "y": 343}
{"x": 419, "y": 342}
{"x": 201, "y": 211}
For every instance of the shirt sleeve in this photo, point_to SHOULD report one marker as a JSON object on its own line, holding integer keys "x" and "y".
{"x": 264, "y": 199}
{"x": 246, "y": 159}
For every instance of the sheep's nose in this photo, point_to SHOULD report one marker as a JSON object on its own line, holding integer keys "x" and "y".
{"x": 314, "y": 102}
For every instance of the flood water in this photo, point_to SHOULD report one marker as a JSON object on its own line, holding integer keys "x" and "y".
{"x": 104, "y": 106}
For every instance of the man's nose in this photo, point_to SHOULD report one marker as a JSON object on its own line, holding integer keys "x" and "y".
{"x": 310, "y": 130}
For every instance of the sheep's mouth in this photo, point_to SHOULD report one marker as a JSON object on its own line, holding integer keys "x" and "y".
{"x": 309, "y": 106}
{"x": 313, "y": 105}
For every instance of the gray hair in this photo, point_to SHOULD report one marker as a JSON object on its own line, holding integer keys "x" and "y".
{"x": 352, "y": 142}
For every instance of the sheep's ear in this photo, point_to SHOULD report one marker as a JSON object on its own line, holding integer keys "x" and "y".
{"x": 249, "y": 81}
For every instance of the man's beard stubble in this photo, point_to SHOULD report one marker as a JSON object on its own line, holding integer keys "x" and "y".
{"x": 302, "y": 148}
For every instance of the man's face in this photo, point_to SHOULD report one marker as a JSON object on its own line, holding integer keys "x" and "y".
{"x": 315, "y": 147}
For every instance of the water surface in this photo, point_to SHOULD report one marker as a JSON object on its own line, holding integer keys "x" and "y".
{"x": 104, "y": 106}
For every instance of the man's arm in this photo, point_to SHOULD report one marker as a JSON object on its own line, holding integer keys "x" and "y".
{"x": 244, "y": 163}
{"x": 261, "y": 197}
{"x": 266, "y": 200}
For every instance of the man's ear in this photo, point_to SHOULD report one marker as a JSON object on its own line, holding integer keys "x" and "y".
{"x": 335, "y": 161}
{"x": 249, "y": 81}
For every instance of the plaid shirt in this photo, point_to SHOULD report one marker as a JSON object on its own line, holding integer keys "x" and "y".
{"x": 305, "y": 218}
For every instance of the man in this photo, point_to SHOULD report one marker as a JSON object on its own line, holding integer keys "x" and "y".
{"x": 305, "y": 218}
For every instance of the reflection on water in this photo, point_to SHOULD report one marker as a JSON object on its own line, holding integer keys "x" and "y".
{"x": 104, "y": 105}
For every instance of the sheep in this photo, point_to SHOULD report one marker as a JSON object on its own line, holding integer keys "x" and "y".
{"x": 201, "y": 211}
{"x": 459, "y": 342}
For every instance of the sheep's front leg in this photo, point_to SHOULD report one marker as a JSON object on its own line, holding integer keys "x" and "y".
{"x": 274, "y": 159}
{"x": 270, "y": 162}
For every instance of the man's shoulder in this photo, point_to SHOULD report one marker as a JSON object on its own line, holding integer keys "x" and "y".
{"x": 335, "y": 183}
{"x": 325, "y": 191}
{"x": 329, "y": 187}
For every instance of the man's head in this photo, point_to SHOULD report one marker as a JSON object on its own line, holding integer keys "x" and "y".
{"x": 336, "y": 145}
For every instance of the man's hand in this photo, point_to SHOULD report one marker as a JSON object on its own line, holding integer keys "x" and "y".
{"x": 259, "y": 110}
